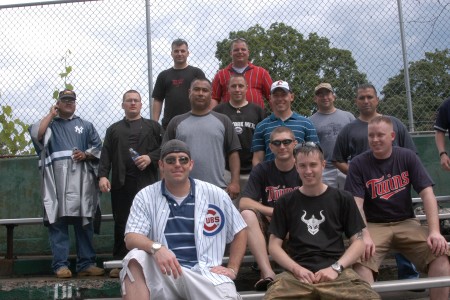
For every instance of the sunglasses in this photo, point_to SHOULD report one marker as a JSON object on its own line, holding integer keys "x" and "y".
{"x": 171, "y": 160}
{"x": 277, "y": 143}
{"x": 66, "y": 100}
{"x": 238, "y": 39}
{"x": 307, "y": 145}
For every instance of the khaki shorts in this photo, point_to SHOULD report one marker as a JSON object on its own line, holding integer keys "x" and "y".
{"x": 408, "y": 237}
{"x": 348, "y": 285}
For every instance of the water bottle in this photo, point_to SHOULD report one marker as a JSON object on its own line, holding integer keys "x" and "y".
{"x": 133, "y": 153}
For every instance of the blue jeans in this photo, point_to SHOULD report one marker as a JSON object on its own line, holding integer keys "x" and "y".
{"x": 405, "y": 268}
{"x": 60, "y": 243}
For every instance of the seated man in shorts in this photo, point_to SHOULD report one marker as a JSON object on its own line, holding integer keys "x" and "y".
{"x": 380, "y": 180}
{"x": 267, "y": 182}
{"x": 317, "y": 264}
{"x": 177, "y": 232}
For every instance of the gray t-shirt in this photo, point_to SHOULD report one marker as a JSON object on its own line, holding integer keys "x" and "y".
{"x": 328, "y": 127}
{"x": 210, "y": 138}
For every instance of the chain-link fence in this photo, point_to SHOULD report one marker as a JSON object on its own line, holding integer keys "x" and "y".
{"x": 343, "y": 42}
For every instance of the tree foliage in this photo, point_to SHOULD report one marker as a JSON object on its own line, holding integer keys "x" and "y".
{"x": 13, "y": 135}
{"x": 429, "y": 83}
{"x": 64, "y": 75}
{"x": 304, "y": 63}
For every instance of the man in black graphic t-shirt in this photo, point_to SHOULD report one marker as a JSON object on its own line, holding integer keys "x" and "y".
{"x": 315, "y": 217}
{"x": 380, "y": 180}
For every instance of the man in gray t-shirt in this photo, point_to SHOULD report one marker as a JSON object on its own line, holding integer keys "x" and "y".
{"x": 328, "y": 121}
{"x": 210, "y": 136}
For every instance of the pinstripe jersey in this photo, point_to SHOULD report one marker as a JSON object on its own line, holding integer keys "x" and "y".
{"x": 216, "y": 223}
{"x": 302, "y": 127}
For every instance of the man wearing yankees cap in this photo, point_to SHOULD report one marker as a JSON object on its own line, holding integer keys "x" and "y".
{"x": 178, "y": 229}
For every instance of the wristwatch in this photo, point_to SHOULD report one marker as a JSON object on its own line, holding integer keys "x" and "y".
{"x": 337, "y": 267}
{"x": 155, "y": 247}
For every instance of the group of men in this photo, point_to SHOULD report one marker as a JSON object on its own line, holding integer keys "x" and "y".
{"x": 287, "y": 170}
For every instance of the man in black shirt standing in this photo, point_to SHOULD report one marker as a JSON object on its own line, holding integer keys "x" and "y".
{"x": 172, "y": 85}
{"x": 244, "y": 116}
{"x": 129, "y": 174}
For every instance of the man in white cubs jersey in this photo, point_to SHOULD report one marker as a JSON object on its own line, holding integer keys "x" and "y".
{"x": 178, "y": 229}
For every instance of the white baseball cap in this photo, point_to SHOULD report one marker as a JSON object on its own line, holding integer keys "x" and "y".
{"x": 280, "y": 84}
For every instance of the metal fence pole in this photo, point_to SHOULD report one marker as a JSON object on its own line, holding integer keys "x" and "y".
{"x": 149, "y": 56}
{"x": 406, "y": 68}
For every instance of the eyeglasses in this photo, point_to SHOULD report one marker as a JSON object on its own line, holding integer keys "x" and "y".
{"x": 171, "y": 160}
{"x": 238, "y": 39}
{"x": 277, "y": 143}
{"x": 307, "y": 145}
{"x": 132, "y": 100}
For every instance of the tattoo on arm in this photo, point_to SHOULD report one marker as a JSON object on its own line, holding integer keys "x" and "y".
{"x": 359, "y": 235}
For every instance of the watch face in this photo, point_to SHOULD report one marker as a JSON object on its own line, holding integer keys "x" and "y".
{"x": 337, "y": 267}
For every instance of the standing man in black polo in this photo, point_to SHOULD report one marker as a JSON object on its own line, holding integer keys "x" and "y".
{"x": 129, "y": 174}
{"x": 172, "y": 85}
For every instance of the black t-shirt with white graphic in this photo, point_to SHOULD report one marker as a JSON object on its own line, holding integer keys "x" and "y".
{"x": 385, "y": 184}
{"x": 315, "y": 226}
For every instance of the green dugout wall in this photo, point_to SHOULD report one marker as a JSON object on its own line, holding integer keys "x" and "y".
{"x": 19, "y": 198}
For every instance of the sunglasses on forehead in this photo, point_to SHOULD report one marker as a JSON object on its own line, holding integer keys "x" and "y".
{"x": 277, "y": 143}
{"x": 307, "y": 145}
{"x": 171, "y": 160}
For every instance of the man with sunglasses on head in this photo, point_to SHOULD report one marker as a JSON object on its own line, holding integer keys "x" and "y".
{"x": 69, "y": 148}
{"x": 317, "y": 264}
{"x": 281, "y": 98}
{"x": 172, "y": 85}
{"x": 178, "y": 229}
{"x": 258, "y": 78}
{"x": 129, "y": 173}
{"x": 267, "y": 182}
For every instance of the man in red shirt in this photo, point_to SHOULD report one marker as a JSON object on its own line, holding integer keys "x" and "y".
{"x": 258, "y": 78}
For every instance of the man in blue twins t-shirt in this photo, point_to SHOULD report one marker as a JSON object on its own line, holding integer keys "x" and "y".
{"x": 380, "y": 179}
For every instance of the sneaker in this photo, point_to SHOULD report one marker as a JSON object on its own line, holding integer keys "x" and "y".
{"x": 63, "y": 272}
{"x": 114, "y": 273}
{"x": 92, "y": 271}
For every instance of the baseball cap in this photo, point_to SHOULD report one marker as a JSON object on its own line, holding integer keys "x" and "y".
{"x": 174, "y": 146}
{"x": 324, "y": 85}
{"x": 280, "y": 84}
{"x": 67, "y": 94}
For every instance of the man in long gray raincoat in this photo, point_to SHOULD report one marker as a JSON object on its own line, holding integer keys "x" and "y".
{"x": 69, "y": 149}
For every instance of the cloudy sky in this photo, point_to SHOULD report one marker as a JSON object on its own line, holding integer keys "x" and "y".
{"x": 107, "y": 40}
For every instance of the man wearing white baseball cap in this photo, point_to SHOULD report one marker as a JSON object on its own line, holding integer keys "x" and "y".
{"x": 281, "y": 98}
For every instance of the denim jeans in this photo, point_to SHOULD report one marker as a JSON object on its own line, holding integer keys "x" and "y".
{"x": 405, "y": 268}
{"x": 60, "y": 243}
